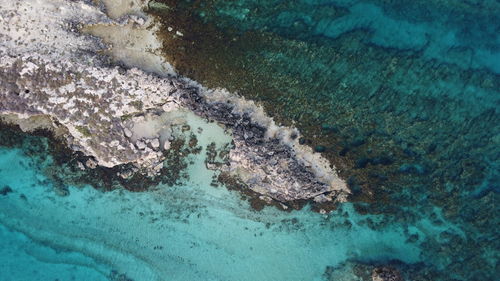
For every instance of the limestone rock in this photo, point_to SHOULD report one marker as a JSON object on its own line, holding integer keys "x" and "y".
{"x": 155, "y": 143}
{"x": 140, "y": 145}
{"x": 166, "y": 145}
{"x": 127, "y": 132}
{"x": 90, "y": 163}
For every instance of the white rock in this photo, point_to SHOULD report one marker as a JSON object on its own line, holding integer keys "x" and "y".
{"x": 140, "y": 145}
{"x": 158, "y": 167}
{"x": 127, "y": 132}
{"x": 80, "y": 166}
{"x": 91, "y": 164}
{"x": 114, "y": 143}
{"x": 166, "y": 145}
{"x": 155, "y": 143}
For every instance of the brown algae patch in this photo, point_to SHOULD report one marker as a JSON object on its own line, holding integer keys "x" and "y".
{"x": 346, "y": 97}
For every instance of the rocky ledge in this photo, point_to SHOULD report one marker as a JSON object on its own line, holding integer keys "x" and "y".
{"x": 125, "y": 116}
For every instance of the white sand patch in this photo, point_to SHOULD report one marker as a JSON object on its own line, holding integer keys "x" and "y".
{"x": 133, "y": 44}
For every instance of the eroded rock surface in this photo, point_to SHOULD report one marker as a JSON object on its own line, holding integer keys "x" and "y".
{"x": 121, "y": 116}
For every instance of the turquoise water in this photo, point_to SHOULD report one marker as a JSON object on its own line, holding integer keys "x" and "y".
{"x": 405, "y": 93}
{"x": 188, "y": 232}
{"x": 402, "y": 96}
{"x": 191, "y": 231}
{"x": 464, "y": 33}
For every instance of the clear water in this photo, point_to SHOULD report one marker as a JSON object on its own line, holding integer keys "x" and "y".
{"x": 404, "y": 93}
{"x": 188, "y": 232}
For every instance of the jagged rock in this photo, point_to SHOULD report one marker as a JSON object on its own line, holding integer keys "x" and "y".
{"x": 114, "y": 143}
{"x": 322, "y": 199}
{"x": 140, "y": 145}
{"x": 266, "y": 199}
{"x": 158, "y": 167}
{"x": 80, "y": 166}
{"x": 166, "y": 145}
{"x": 126, "y": 174}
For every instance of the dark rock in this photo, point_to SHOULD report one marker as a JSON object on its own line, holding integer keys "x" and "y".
{"x": 5, "y": 190}
{"x": 386, "y": 274}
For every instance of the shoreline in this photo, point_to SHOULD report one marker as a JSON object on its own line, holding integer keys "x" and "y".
{"x": 120, "y": 123}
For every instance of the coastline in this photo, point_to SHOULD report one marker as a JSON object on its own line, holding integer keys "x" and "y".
{"x": 139, "y": 132}
{"x": 131, "y": 130}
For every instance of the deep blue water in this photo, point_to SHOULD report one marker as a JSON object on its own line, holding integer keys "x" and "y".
{"x": 404, "y": 95}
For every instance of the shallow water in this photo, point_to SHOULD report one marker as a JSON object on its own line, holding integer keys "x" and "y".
{"x": 188, "y": 232}
{"x": 404, "y": 97}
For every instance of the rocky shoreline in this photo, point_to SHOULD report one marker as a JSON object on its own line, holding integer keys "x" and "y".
{"x": 265, "y": 164}
{"x": 270, "y": 167}
{"x": 127, "y": 118}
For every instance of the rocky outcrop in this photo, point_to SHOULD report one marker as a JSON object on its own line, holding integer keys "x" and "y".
{"x": 92, "y": 107}
{"x": 119, "y": 116}
{"x": 268, "y": 165}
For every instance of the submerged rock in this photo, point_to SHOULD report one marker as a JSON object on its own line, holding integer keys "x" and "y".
{"x": 386, "y": 274}
{"x": 5, "y": 190}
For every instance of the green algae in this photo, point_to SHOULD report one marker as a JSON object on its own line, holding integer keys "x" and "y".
{"x": 84, "y": 131}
